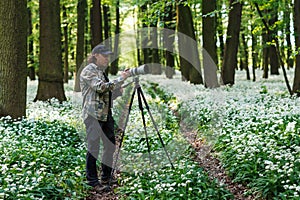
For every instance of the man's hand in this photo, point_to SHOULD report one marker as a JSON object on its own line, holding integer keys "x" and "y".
{"x": 125, "y": 74}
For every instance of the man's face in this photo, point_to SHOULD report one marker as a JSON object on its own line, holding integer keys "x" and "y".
{"x": 102, "y": 60}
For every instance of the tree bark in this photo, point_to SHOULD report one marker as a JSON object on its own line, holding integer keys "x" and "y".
{"x": 30, "y": 54}
{"x": 220, "y": 30}
{"x": 50, "y": 70}
{"x": 245, "y": 56}
{"x": 66, "y": 46}
{"x": 13, "y": 58}
{"x": 115, "y": 64}
{"x": 210, "y": 60}
{"x": 287, "y": 20}
{"x": 187, "y": 44}
{"x": 81, "y": 12}
{"x": 296, "y": 85}
{"x": 96, "y": 23}
{"x": 274, "y": 60}
{"x": 169, "y": 39}
{"x": 232, "y": 42}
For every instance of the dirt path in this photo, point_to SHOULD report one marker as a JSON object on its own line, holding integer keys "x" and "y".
{"x": 213, "y": 166}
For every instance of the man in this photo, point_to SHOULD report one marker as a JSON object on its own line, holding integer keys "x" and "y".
{"x": 97, "y": 93}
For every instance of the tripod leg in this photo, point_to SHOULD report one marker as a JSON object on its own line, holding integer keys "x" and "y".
{"x": 144, "y": 121}
{"x": 123, "y": 133}
{"x": 155, "y": 126}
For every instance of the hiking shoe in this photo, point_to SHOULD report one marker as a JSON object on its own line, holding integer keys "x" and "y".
{"x": 110, "y": 181}
{"x": 99, "y": 188}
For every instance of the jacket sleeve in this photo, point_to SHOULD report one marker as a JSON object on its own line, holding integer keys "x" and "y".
{"x": 90, "y": 76}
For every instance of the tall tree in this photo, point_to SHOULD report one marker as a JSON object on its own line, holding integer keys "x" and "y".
{"x": 96, "y": 23}
{"x": 115, "y": 64}
{"x": 153, "y": 36}
{"x": 232, "y": 42}
{"x": 81, "y": 12}
{"x": 220, "y": 31}
{"x": 287, "y": 29}
{"x": 209, "y": 30}
{"x": 169, "y": 38}
{"x": 296, "y": 85}
{"x": 187, "y": 44}
{"x": 50, "y": 71}
{"x": 31, "y": 70}
{"x": 274, "y": 60}
{"x": 106, "y": 19}
{"x": 13, "y": 59}
{"x": 66, "y": 45}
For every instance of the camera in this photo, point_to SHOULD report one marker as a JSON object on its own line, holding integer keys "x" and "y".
{"x": 143, "y": 69}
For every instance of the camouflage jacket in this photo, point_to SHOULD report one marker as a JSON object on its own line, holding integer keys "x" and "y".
{"x": 96, "y": 92}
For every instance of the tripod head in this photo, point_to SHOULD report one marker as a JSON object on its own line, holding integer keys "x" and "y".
{"x": 136, "y": 81}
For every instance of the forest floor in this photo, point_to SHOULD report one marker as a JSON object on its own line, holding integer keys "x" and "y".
{"x": 204, "y": 156}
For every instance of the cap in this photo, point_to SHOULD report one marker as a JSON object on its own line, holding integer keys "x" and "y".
{"x": 101, "y": 49}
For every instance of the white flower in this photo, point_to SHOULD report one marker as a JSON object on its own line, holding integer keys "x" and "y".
{"x": 290, "y": 127}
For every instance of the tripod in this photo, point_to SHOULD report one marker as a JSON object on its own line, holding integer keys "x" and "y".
{"x": 141, "y": 99}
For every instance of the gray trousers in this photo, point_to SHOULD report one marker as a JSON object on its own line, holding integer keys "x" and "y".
{"x": 97, "y": 130}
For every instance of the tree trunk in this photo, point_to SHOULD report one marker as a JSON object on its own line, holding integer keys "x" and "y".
{"x": 254, "y": 51}
{"x": 232, "y": 42}
{"x": 106, "y": 17}
{"x": 50, "y": 70}
{"x": 13, "y": 60}
{"x": 274, "y": 60}
{"x": 220, "y": 30}
{"x": 66, "y": 47}
{"x": 187, "y": 45}
{"x": 96, "y": 23}
{"x": 169, "y": 39}
{"x": 30, "y": 54}
{"x": 287, "y": 20}
{"x": 81, "y": 12}
{"x": 254, "y": 56}
{"x": 155, "y": 62}
{"x": 144, "y": 35}
{"x": 245, "y": 56}
{"x": 115, "y": 64}
{"x": 265, "y": 56}
{"x": 296, "y": 85}
{"x": 209, "y": 30}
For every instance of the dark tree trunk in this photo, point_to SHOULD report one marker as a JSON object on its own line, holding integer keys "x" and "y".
{"x": 232, "y": 42}
{"x": 210, "y": 58}
{"x": 254, "y": 51}
{"x": 296, "y": 85}
{"x": 169, "y": 39}
{"x": 266, "y": 52}
{"x": 96, "y": 23}
{"x": 155, "y": 61}
{"x": 50, "y": 70}
{"x": 144, "y": 35}
{"x": 106, "y": 17}
{"x": 220, "y": 30}
{"x": 187, "y": 44}
{"x": 274, "y": 60}
{"x": 245, "y": 56}
{"x": 13, "y": 60}
{"x": 115, "y": 64}
{"x": 30, "y": 56}
{"x": 81, "y": 12}
{"x": 289, "y": 59}
{"x": 66, "y": 47}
